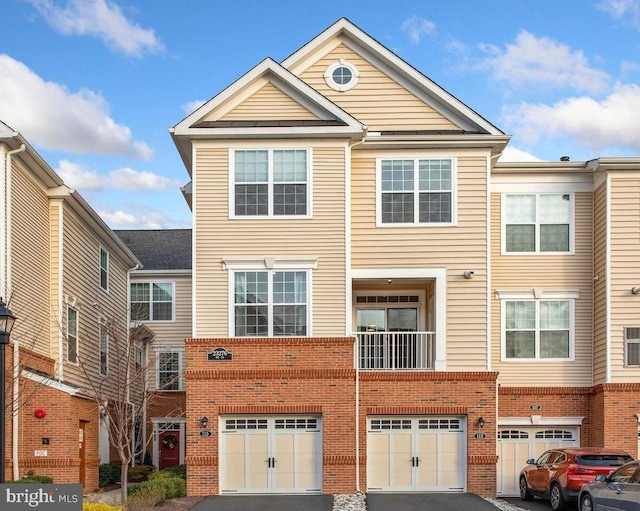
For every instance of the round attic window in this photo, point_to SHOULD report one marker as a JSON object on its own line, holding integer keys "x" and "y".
{"x": 341, "y": 76}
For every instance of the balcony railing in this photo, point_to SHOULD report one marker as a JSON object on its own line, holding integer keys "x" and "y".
{"x": 396, "y": 350}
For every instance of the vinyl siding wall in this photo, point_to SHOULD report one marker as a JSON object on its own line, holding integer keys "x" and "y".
{"x": 81, "y": 283}
{"x": 217, "y": 237}
{"x": 30, "y": 285}
{"x": 625, "y": 247}
{"x": 268, "y": 102}
{"x": 600, "y": 271}
{"x": 457, "y": 248}
{"x": 376, "y": 100}
{"x": 551, "y": 272}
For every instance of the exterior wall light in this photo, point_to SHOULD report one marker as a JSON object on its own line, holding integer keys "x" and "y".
{"x": 481, "y": 422}
{"x": 203, "y": 422}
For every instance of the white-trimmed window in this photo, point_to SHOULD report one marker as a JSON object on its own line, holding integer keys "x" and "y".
{"x": 104, "y": 269}
{"x": 270, "y": 303}
{"x": 632, "y": 346}
{"x": 538, "y": 325}
{"x": 270, "y": 183}
{"x": 104, "y": 351}
{"x": 537, "y": 222}
{"x": 416, "y": 191}
{"x": 342, "y": 75}
{"x": 152, "y": 301}
{"x": 139, "y": 355}
{"x": 72, "y": 335}
{"x": 169, "y": 370}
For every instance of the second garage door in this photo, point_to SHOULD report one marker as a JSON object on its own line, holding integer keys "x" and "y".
{"x": 517, "y": 444}
{"x": 416, "y": 454}
{"x": 270, "y": 454}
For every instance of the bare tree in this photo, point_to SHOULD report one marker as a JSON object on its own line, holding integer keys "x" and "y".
{"x": 126, "y": 393}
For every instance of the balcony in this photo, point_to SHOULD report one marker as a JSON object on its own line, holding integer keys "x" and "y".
{"x": 396, "y": 351}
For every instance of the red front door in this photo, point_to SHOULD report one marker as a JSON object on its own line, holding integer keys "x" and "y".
{"x": 169, "y": 449}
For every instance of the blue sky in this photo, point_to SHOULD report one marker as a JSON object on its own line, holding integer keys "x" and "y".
{"x": 94, "y": 85}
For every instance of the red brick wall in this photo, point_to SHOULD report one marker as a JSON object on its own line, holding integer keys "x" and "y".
{"x": 616, "y": 405}
{"x": 316, "y": 376}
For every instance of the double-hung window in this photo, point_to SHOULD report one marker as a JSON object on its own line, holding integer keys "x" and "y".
{"x": 271, "y": 303}
{"x": 632, "y": 346}
{"x": 537, "y": 222}
{"x": 270, "y": 182}
{"x": 104, "y": 269}
{"x": 538, "y": 328}
{"x": 72, "y": 335}
{"x": 152, "y": 301}
{"x": 169, "y": 370}
{"x": 416, "y": 191}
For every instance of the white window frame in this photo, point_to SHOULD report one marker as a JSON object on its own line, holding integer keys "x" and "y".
{"x": 272, "y": 266}
{"x": 163, "y": 350}
{"x": 69, "y": 337}
{"x": 270, "y": 183}
{"x": 139, "y": 355}
{"x": 416, "y": 191}
{"x": 104, "y": 270}
{"x": 151, "y": 283}
{"x": 537, "y": 295}
{"x": 103, "y": 341}
{"x": 628, "y": 341}
{"x": 341, "y": 87}
{"x": 538, "y": 194}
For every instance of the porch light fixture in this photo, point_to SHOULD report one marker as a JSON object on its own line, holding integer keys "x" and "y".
{"x": 481, "y": 422}
{"x": 7, "y": 319}
{"x": 203, "y": 422}
{"x": 468, "y": 274}
{"x": 635, "y": 290}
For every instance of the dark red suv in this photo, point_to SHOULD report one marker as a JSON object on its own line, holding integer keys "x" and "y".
{"x": 559, "y": 474}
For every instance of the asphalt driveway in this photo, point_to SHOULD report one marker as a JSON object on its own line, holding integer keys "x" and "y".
{"x": 375, "y": 502}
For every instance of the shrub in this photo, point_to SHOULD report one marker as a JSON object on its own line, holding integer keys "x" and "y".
{"x": 109, "y": 473}
{"x": 100, "y": 506}
{"x": 171, "y": 488}
{"x": 179, "y": 471}
{"x": 34, "y": 479}
{"x": 139, "y": 473}
{"x": 146, "y": 497}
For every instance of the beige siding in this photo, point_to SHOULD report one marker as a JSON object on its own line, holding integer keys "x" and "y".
{"x": 217, "y": 238}
{"x": 600, "y": 285}
{"x": 81, "y": 284}
{"x": 625, "y": 247}
{"x": 376, "y": 100}
{"x": 29, "y": 293}
{"x": 457, "y": 248}
{"x": 267, "y": 103}
{"x": 562, "y": 272}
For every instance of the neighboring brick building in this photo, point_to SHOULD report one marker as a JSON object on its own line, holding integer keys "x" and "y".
{"x": 378, "y": 304}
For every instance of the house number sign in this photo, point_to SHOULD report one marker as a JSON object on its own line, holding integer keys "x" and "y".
{"x": 220, "y": 354}
{"x": 535, "y": 407}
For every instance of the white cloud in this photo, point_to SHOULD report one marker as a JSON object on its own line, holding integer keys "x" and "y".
{"x": 627, "y": 10}
{"x": 147, "y": 219}
{"x": 102, "y": 19}
{"x": 612, "y": 122}
{"x": 54, "y": 118}
{"x": 544, "y": 62}
{"x": 416, "y": 27}
{"x": 518, "y": 155}
{"x": 78, "y": 177}
{"x": 192, "y": 106}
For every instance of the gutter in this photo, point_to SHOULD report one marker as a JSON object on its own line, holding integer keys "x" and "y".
{"x": 7, "y": 289}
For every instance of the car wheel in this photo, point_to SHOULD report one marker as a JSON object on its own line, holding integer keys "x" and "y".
{"x": 586, "y": 503}
{"x": 556, "y": 498}
{"x": 525, "y": 493}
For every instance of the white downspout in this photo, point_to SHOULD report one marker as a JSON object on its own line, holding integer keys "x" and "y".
{"x": 16, "y": 354}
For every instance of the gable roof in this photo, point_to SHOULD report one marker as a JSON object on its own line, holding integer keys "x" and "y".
{"x": 405, "y": 74}
{"x": 159, "y": 249}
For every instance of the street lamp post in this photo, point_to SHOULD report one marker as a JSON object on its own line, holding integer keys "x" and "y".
{"x": 6, "y": 324}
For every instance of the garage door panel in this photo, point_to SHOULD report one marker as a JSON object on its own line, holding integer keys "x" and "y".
{"x": 428, "y": 461}
{"x": 284, "y": 460}
{"x": 379, "y": 460}
{"x": 517, "y": 444}
{"x": 401, "y": 469}
{"x": 450, "y": 455}
{"x": 234, "y": 460}
{"x": 257, "y": 469}
{"x": 307, "y": 459}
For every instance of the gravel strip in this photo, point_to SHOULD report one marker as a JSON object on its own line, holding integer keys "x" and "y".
{"x": 503, "y": 505}
{"x": 358, "y": 502}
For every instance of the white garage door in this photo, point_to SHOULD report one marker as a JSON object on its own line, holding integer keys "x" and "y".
{"x": 270, "y": 454}
{"x": 517, "y": 444}
{"x": 416, "y": 454}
